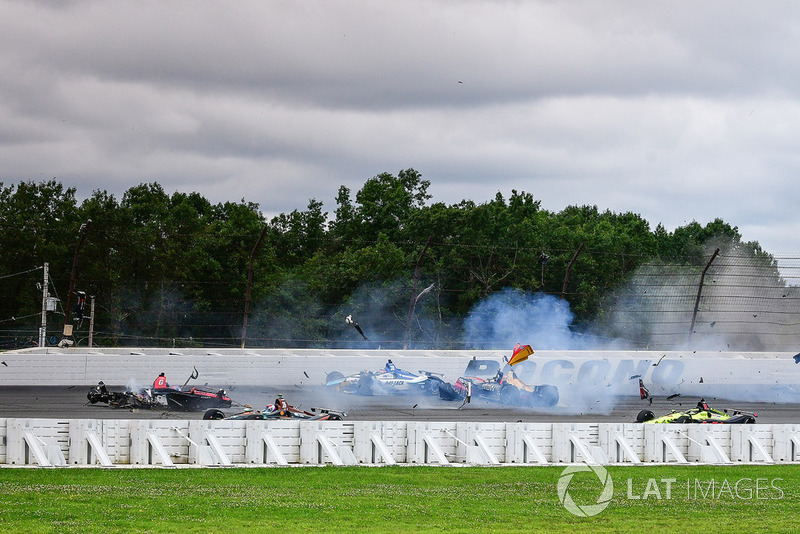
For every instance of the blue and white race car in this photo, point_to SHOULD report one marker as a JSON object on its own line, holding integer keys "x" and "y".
{"x": 390, "y": 380}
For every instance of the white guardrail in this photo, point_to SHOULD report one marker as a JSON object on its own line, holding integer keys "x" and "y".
{"x": 107, "y": 443}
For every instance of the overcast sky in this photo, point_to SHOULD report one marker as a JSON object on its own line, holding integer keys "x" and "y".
{"x": 678, "y": 111}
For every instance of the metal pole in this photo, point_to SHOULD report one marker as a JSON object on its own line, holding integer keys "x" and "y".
{"x": 43, "y": 328}
{"x": 414, "y": 297}
{"x": 250, "y": 283}
{"x": 68, "y": 309}
{"x": 91, "y": 322}
{"x": 569, "y": 268}
{"x": 699, "y": 291}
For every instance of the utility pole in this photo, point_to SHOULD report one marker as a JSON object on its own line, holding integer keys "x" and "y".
{"x": 43, "y": 328}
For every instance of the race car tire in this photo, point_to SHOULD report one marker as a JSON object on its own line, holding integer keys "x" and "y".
{"x": 509, "y": 396}
{"x": 645, "y": 415}
{"x": 432, "y": 386}
{"x": 546, "y": 395}
{"x": 366, "y": 385}
{"x": 448, "y": 392}
{"x": 213, "y": 415}
{"x": 333, "y": 376}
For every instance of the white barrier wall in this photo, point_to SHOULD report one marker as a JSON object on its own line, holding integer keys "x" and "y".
{"x": 80, "y": 442}
{"x": 750, "y": 376}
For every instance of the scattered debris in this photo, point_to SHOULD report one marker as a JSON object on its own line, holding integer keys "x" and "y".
{"x": 349, "y": 320}
{"x": 674, "y": 396}
{"x": 6, "y": 365}
{"x": 644, "y": 393}
{"x": 659, "y": 360}
{"x": 306, "y": 374}
{"x": 701, "y": 379}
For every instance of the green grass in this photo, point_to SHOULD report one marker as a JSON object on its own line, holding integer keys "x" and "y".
{"x": 395, "y": 499}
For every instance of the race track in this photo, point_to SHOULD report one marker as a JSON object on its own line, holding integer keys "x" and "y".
{"x": 70, "y": 402}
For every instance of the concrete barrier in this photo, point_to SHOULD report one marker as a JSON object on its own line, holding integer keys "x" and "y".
{"x": 159, "y": 443}
{"x": 745, "y": 376}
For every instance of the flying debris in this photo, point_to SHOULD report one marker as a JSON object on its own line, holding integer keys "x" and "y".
{"x": 659, "y": 360}
{"x": 349, "y": 320}
{"x": 796, "y": 358}
{"x": 674, "y": 396}
{"x": 424, "y": 291}
{"x": 701, "y": 379}
{"x": 306, "y": 374}
{"x": 644, "y": 393}
{"x": 520, "y": 354}
{"x": 192, "y": 376}
{"x": 5, "y": 364}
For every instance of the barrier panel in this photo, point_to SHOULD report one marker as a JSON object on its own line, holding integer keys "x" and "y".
{"x": 160, "y": 443}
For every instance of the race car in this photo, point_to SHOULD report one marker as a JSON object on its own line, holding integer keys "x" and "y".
{"x": 272, "y": 413}
{"x": 120, "y": 399}
{"x": 181, "y": 399}
{"x": 390, "y": 380}
{"x": 484, "y": 379}
{"x": 702, "y": 413}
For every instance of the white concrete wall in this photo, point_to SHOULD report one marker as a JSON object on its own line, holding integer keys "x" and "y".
{"x": 734, "y": 375}
{"x": 138, "y": 442}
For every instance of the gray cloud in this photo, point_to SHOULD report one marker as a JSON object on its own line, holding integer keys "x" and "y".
{"x": 678, "y": 111}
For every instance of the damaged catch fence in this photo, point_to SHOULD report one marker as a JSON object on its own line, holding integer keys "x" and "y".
{"x": 109, "y": 443}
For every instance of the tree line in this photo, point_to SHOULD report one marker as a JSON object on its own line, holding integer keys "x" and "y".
{"x": 164, "y": 267}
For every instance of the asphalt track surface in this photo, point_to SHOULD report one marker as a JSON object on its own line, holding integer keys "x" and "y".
{"x": 70, "y": 402}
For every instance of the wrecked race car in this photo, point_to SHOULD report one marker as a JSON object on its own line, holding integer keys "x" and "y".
{"x": 172, "y": 398}
{"x": 272, "y": 413}
{"x": 390, "y": 380}
{"x": 484, "y": 379}
{"x": 120, "y": 399}
{"x": 702, "y": 413}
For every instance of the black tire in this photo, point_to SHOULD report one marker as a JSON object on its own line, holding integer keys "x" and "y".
{"x": 333, "y": 376}
{"x": 366, "y": 385}
{"x": 546, "y": 395}
{"x": 213, "y": 415}
{"x": 509, "y": 396}
{"x": 645, "y": 415}
{"x": 448, "y": 392}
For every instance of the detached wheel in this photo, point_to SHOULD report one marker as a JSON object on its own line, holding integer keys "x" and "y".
{"x": 213, "y": 415}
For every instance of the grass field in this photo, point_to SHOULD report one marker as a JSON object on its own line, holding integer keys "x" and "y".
{"x": 397, "y": 499}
